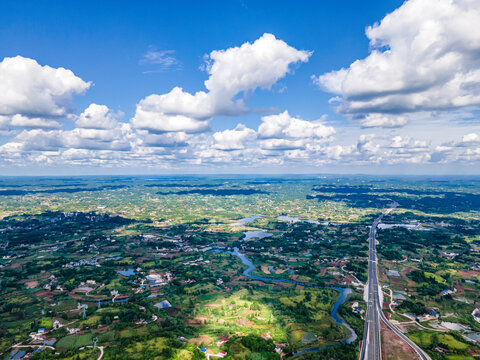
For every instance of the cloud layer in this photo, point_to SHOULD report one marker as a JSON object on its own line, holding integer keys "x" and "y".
{"x": 424, "y": 57}
{"x": 420, "y": 84}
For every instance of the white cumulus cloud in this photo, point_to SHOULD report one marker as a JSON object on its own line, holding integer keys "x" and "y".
{"x": 235, "y": 139}
{"x": 250, "y": 66}
{"x": 30, "y": 89}
{"x": 471, "y": 138}
{"x": 284, "y": 126}
{"x": 96, "y": 117}
{"x": 231, "y": 72}
{"x": 383, "y": 120}
{"x": 424, "y": 57}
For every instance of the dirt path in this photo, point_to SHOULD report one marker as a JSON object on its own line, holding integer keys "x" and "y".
{"x": 101, "y": 351}
{"x": 390, "y": 305}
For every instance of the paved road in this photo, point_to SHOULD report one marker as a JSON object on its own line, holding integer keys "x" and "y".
{"x": 371, "y": 346}
{"x": 33, "y": 346}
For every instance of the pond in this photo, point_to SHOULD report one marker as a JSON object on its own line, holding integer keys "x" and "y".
{"x": 246, "y": 220}
{"x": 256, "y": 234}
{"x": 128, "y": 272}
{"x": 474, "y": 336}
{"x": 286, "y": 218}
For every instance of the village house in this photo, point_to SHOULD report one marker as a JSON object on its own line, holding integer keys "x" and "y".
{"x": 356, "y": 309}
{"x": 410, "y": 316}
{"x": 222, "y": 341}
{"x": 448, "y": 292}
{"x": 426, "y": 317}
{"x": 163, "y": 304}
{"x": 449, "y": 254}
{"x": 434, "y": 312}
{"x": 266, "y": 336}
{"x": 72, "y": 330}
{"x": 209, "y": 353}
{"x": 159, "y": 279}
{"x": 476, "y": 314}
{"x": 56, "y": 324}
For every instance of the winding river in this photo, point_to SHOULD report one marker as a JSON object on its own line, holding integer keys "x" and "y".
{"x": 344, "y": 292}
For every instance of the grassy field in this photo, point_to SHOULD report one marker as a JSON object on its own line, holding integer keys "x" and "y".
{"x": 459, "y": 357}
{"x": 74, "y": 342}
{"x": 425, "y": 339}
{"x": 85, "y": 354}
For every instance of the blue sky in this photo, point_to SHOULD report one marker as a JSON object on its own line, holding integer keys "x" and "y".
{"x": 122, "y": 52}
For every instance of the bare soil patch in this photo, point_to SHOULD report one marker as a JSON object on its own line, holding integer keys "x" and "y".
{"x": 205, "y": 339}
{"x": 393, "y": 347}
{"x": 265, "y": 269}
{"x": 31, "y": 284}
{"x": 468, "y": 274}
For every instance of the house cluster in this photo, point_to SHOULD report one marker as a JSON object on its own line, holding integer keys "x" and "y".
{"x": 159, "y": 279}
{"x": 196, "y": 262}
{"x": 448, "y": 292}
{"x": 164, "y": 251}
{"x": 82, "y": 262}
{"x": 72, "y": 330}
{"x": 52, "y": 249}
{"x": 475, "y": 267}
{"x": 428, "y": 317}
{"x": 52, "y": 284}
{"x": 209, "y": 353}
{"x": 449, "y": 254}
{"x": 38, "y": 335}
{"x": 279, "y": 348}
{"x": 87, "y": 286}
{"x": 21, "y": 354}
{"x": 432, "y": 314}
{"x": 357, "y": 309}
{"x": 39, "y": 338}
{"x": 146, "y": 321}
{"x": 188, "y": 281}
